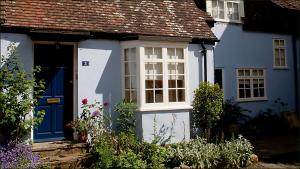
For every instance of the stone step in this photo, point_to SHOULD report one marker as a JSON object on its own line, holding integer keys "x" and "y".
{"x": 59, "y": 148}
{"x": 70, "y": 161}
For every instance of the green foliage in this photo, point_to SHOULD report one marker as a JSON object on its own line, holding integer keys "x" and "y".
{"x": 129, "y": 159}
{"x": 126, "y": 119}
{"x": 207, "y": 105}
{"x": 103, "y": 151}
{"x": 128, "y": 141}
{"x": 198, "y": 153}
{"x": 235, "y": 153}
{"x": 19, "y": 92}
{"x": 155, "y": 155}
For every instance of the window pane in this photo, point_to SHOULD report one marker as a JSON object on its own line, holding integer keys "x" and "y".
{"x": 247, "y": 72}
{"x": 230, "y": 10}
{"x": 149, "y": 96}
{"x": 241, "y": 92}
{"x": 255, "y": 93}
{"x": 132, "y": 54}
{"x": 172, "y": 83}
{"x": 127, "y": 95}
{"x": 172, "y": 68}
{"x": 221, "y": 5}
{"x": 171, "y": 53}
{"x": 157, "y": 68}
{"x": 132, "y": 68}
{"x": 247, "y": 83}
{"x": 149, "y": 53}
{"x": 281, "y": 43}
{"x": 261, "y": 83}
{"x": 158, "y": 82}
{"x": 180, "y": 68}
{"x": 149, "y": 68}
{"x": 157, "y": 53}
{"x": 221, "y": 14}
{"x": 235, "y": 11}
{"x": 126, "y": 54}
{"x": 149, "y": 82}
{"x": 181, "y": 95}
{"x": 179, "y": 53}
{"x": 277, "y": 61}
{"x": 158, "y": 96}
{"x": 172, "y": 95}
{"x": 248, "y": 93}
{"x": 240, "y": 72}
{"x": 127, "y": 83}
{"x": 255, "y": 72}
{"x": 276, "y": 43}
{"x": 133, "y": 96}
{"x": 241, "y": 83}
{"x": 282, "y": 61}
{"x": 260, "y": 72}
{"x": 180, "y": 82}
{"x": 262, "y": 92}
{"x": 133, "y": 82}
{"x": 127, "y": 71}
{"x": 214, "y": 9}
{"x": 276, "y": 53}
{"x": 255, "y": 83}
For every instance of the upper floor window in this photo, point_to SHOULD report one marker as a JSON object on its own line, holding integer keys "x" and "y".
{"x": 279, "y": 52}
{"x": 226, "y": 10}
{"x": 155, "y": 76}
{"x": 251, "y": 84}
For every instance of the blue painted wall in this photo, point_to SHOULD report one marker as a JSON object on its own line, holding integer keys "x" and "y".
{"x": 242, "y": 49}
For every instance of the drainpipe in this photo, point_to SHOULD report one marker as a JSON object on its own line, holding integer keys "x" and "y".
{"x": 296, "y": 70}
{"x": 204, "y": 53}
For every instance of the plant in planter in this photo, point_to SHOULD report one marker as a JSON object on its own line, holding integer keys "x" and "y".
{"x": 91, "y": 121}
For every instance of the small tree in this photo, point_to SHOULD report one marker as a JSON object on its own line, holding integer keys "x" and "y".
{"x": 18, "y": 96}
{"x": 207, "y": 106}
{"x": 126, "y": 119}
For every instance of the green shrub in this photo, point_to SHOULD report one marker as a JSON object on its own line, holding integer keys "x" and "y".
{"x": 128, "y": 159}
{"x": 126, "y": 119}
{"x": 155, "y": 155}
{"x": 207, "y": 105}
{"x": 19, "y": 92}
{"x": 235, "y": 153}
{"x": 103, "y": 151}
{"x": 128, "y": 141}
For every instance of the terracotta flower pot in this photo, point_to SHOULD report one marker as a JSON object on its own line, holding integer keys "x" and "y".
{"x": 82, "y": 136}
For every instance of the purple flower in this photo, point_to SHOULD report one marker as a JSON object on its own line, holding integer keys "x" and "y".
{"x": 19, "y": 155}
{"x": 106, "y": 104}
{"x": 96, "y": 113}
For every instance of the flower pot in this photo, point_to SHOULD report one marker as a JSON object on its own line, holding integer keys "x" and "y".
{"x": 82, "y": 136}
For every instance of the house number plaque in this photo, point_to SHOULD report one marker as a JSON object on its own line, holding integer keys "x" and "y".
{"x": 53, "y": 100}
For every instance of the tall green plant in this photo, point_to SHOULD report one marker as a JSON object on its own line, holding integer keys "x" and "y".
{"x": 18, "y": 96}
{"x": 126, "y": 119}
{"x": 207, "y": 105}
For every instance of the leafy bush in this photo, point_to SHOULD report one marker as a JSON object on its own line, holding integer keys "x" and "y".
{"x": 207, "y": 105}
{"x": 155, "y": 155}
{"x": 196, "y": 153}
{"x": 19, "y": 92}
{"x": 235, "y": 153}
{"x": 129, "y": 159}
{"x": 128, "y": 141}
{"x": 126, "y": 119}
{"x": 17, "y": 156}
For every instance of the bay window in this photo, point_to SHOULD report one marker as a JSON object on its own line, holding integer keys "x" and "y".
{"x": 155, "y": 75}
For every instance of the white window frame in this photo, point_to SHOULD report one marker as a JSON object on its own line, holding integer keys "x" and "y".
{"x": 285, "y": 53}
{"x": 241, "y": 14}
{"x": 140, "y": 72}
{"x": 251, "y": 77}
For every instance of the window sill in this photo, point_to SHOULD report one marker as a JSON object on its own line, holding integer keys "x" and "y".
{"x": 280, "y": 68}
{"x": 228, "y": 21}
{"x": 252, "y": 99}
{"x": 165, "y": 107}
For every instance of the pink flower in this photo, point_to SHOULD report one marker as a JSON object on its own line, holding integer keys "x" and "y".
{"x": 96, "y": 113}
{"x": 106, "y": 104}
{"x": 84, "y": 101}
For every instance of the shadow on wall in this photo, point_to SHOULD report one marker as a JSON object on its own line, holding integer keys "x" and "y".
{"x": 110, "y": 83}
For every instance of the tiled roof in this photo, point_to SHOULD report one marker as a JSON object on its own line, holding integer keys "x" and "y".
{"x": 177, "y": 18}
{"x": 289, "y": 4}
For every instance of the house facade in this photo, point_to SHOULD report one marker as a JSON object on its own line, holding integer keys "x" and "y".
{"x": 257, "y": 58}
{"x": 149, "y": 52}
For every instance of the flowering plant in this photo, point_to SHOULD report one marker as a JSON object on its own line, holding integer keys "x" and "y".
{"x": 92, "y": 114}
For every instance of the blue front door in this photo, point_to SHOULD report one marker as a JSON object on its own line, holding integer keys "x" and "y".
{"x": 56, "y": 65}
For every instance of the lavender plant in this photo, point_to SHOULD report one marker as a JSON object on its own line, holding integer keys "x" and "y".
{"x": 17, "y": 155}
